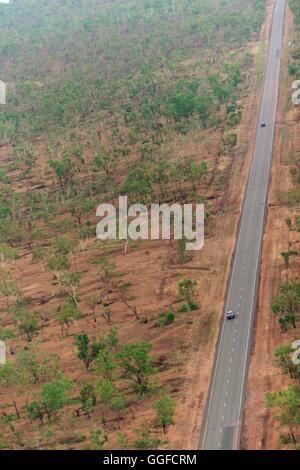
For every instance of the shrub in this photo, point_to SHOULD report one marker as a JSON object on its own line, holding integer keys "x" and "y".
{"x": 184, "y": 308}
{"x": 166, "y": 318}
{"x": 194, "y": 307}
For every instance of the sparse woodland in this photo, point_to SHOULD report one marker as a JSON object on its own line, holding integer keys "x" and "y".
{"x": 105, "y": 98}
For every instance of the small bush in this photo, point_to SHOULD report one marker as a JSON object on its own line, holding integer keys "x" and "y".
{"x": 166, "y": 318}
{"x": 184, "y": 308}
{"x": 194, "y": 307}
{"x": 293, "y": 69}
{"x": 5, "y": 334}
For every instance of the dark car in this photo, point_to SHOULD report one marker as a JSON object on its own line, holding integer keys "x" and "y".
{"x": 262, "y": 124}
{"x": 230, "y": 315}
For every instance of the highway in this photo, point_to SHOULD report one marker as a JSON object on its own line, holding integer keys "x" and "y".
{"x": 223, "y": 417}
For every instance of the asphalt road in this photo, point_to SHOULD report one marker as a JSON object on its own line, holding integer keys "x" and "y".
{"x": 224, "y": 409}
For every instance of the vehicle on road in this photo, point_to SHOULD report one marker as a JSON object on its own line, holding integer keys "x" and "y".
{"x": 230, "y": 315}
{"x": 262, "y": 124}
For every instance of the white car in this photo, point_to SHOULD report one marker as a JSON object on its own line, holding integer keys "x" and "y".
{"x": 230, "y": 315}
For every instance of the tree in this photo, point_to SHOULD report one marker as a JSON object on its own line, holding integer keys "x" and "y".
{"x": 53, "y": 396}
{"x": 287, "y": 405}
{"x": 118, "y": 404}
{"x": 32, "y": 369}
{"x": 112, "y": 338}
{"x": 107, "y": 280}
{"x": 287, "y": 304}
{"x": 106, "y": 363}
{"x": 36, "y": 410}
{"x": 69, "y": 283}
{"x": 203, "y": 106}
{"x": 64, "y": 171}
{"x": 123, "y": 292}
{"x": 183, "y": 255}
{"x": 197, "y": 172}
{"x": 57, "y": 264}
{"x": 92, "y": 302}
{"x": 104, "y": 161}
{"x": 87, "y": 351}
{"x": 230, "y": 140}
{"x": 9, "y": 380}
{"x": 178, "y": 175}
{"x": 106, "y": 390}
{"x": 138, "y": 183}
{"x": 29, "y": 364}
{"x": 187, "y": 289}
{"x": 39, "y": 254}
{"x": 66, "y": 314}
{"x": 181, "y": 105}
{"x": 165, "y": 409}
{"x": 75, "y": 155}
{"x": 79, "y": 208}
{"x": 28, "y": 323}
{"x": 137, "y": 364}
{"x": 25, "y": 158}
{"x": 64, "y": 245}
{"x": 8, "y": 286}
{"x": 28, "y": 370}
{"x": 88, "y": 398}
{"x": 283, "y": 355}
